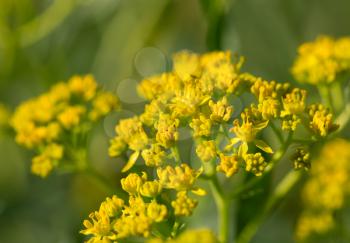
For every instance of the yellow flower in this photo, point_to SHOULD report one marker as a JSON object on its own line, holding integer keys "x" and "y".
{"x": 179, "y": 178}
{"x": 150, "y": 188}
{"x": 294, "y": 102}
{"x": 133, "y": 182}
{"x": 117, "y": 147}
{"x": 99, "y": 226}
{"x": 183, "y": 205}
{"x": 163, "y": 85}
{"x": 152, "y": 112}
{"x": 153, "y": 156}
{"x": 269, "y": 108}
{"x": 301, "y": 159}
{"x": 246, "y": 133}
{"x": 71, "y": 116}
{"x": 263, "y": 89}
{"x": 201, "y": 126}
{"x": 156, "y": 212}
{"x": 84, "y": 86}
{"x": 188, "y": 99}
{"x": 42, "y": 165}
{"x": 112, "y": 206}
{"x": 132, "y": 132}
{"x": 322, "y": 60}
{"x": 255, "y": 163}
{"x": 326, "y": 189}
{"x": 220, "y": 111}
{"x": 186, "y": 65}
{"x": 228, "y": 164}
{"x": 191, "y": 236}
{"x": 102, "y": 104}
{"x": 167, "y": 133}
{"x": 321, "y": 120}
{"x": 218, "y": 69}
{"x": 206, "y": 150}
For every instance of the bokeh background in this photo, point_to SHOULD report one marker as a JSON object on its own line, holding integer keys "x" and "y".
{"x": 120, "y": 42}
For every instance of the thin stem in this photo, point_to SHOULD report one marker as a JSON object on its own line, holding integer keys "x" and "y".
{"x": 222, "y": 205}
{"x": 326, "y": 95}
{"x": 337, "y": 96}
{"x": 215, "y": 13}
{"x": 281, "y": 190}
{"x": 343, "y": 118}
{"x": 276, "y": 131}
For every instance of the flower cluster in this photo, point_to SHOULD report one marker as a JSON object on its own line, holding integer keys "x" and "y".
{"x": 198, "y": 95}
{"x": 147, "y": 208}
{"x": 53, "y": 122}
{"x": 325, "y": 190}
{"x": 322, "y": 61}
{"x": 190, "y": 236}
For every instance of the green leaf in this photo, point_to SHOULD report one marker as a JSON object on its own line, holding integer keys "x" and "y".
{"x": 261, "y": 125}
{"x": 263, "y": 146}
{"x": 131, "y": 161}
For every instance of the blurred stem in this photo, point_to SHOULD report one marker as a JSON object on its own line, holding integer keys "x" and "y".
{"x": 214, "y": 11}
{"x": 343, "y": 118}
{"x": 325, "y": 94}
{"x": 222, "y": 205}
{"x": 279, "y": 193}
{"x": 45, "y": 23}
{"x": 337, "y": 97}
{"x": 276, "y": 131}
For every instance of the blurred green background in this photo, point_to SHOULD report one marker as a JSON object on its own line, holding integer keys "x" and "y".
{"x": 121, "y": 41}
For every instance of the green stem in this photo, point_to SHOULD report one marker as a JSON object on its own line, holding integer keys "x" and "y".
{"x": 222, "y": 205}
{"x": 343, "y": 118}
{"x": 325, "y": 94}
{"x": 279, "y": 193}
{"x": 337, "y": 96}
{"x": 276, "y": 131}
{"x": 215, "y": 13}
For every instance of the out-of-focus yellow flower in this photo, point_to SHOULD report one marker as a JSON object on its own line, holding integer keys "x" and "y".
{"x": 103, "y": 104}
{"x": 71, "y": 116}
{"x": 43, "y": 163}
{"x": 183, "y": 205}
{"x": 269, "y": 108}
{"x": 190, "y": 236}
{"x": 206, "y": 150}
{"x": 187, "y": 65}
{"x": 322, "y": 61}
{"x": 228, "y": 164}
{"x": 84, "y": 86}
{"x": 326, "y": 189}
